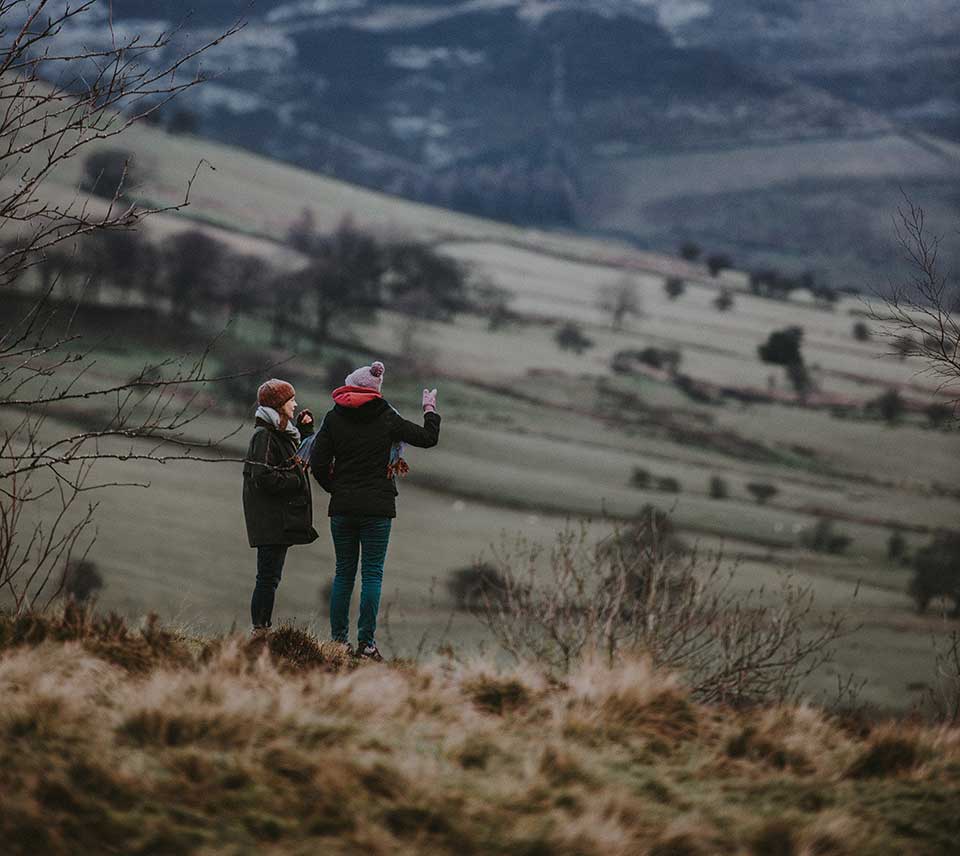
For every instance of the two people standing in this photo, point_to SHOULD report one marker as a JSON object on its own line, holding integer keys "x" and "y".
{"x": 356, "y": 456}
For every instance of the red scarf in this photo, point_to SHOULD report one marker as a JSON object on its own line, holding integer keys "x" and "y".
{"x": 354, "y": 396}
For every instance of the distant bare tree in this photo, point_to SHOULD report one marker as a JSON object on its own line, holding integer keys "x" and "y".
{"x": 917, "y": 315}
{"x": 345, "y": 276}
{"x": 55, "y": 106}
{"x": 192, "y": 271}
{"x": 620, "y": 299}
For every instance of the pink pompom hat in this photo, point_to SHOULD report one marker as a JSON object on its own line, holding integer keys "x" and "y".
{"x": 367, "y": 377}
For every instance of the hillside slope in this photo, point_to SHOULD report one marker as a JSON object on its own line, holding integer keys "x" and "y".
{"x": 148, "y": 742}
{"x": 422, "y": 100}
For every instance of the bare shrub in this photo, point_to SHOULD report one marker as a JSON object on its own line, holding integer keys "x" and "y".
{"x": 944, "y": 696}
{"x": 630, "y": 591}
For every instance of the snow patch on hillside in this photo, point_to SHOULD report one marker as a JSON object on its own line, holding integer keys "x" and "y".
{"x": 416, "y": 58}
{"x": 311, "y": 9}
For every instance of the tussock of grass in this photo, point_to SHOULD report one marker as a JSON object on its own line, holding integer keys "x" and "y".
{"x": 233, "y": 745}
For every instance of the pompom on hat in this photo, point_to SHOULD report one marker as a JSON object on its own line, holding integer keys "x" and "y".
{"x": 368, "y": 377}
{"x": 275, "y": 393}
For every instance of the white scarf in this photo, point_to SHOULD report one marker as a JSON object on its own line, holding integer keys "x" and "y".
{"x": 268, "y": 414}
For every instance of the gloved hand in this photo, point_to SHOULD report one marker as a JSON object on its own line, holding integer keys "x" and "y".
{"x": 304, "y": 417}
{"x": 429, "y": 401}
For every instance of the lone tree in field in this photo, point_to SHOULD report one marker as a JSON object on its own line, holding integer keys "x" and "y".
{"x": 63, "y": 100}
{"x": 690, "y": 251}
{"x": 719, "y": 489}
{"x": 674, "y": 287}
{"x": 423, "y": 282}
{"x": 193, "y": 268}
{"x": 620, "y": 300}
{"x": 569, "y": 337}
{"x": 718, "y": 262}
{"x": 109, "y": 174}
{"x": 782, "y": 348}
{"x": 762, "y": 492}
{"x": 345, "y": 276}
{"x": 861, "y": 331}
{"x": 723, "y": 302}
{"x": 890, "y": 405}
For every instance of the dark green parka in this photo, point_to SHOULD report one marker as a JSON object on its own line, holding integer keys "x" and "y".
{"x": 277, "y": 504}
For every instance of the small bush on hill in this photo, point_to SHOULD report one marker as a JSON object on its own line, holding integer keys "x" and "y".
{"x": 82, "y": 580}
{"x": 890, "y": 406}
{"x": 719, "y": 489}
{"x": 668, "y": 484}
{"x": 896, "y": 546}
{"x": 641, "y": 478}
{"x": 723, "y": 302}
{"x": 474, "y": 586}
{"x": 570, "y": 337}
{"x": 762, "y": 492}
{"x": 861, "y": 331}
{"x": 824, "y": 538}
{"x": 674, "y": 287}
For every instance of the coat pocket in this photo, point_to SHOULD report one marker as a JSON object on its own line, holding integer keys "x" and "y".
{"x": 297, "y": 514}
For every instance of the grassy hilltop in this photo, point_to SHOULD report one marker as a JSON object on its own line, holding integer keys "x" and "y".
{"x": 121, "y": 741}
{"x": 532, "y": 434}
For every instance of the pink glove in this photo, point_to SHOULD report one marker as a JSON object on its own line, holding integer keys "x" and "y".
{"x": 429, "y": 401}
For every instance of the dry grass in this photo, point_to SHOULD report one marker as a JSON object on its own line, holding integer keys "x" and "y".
{"x": 230, "y": 745}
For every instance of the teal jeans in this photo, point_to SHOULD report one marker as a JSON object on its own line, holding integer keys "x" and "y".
{"x": 356, "y": 540}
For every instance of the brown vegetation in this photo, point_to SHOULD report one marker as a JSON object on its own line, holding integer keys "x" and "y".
{"x": 227, "y": 744}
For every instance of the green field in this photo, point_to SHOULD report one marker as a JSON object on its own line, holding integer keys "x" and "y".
{"x": 533, "y": 435}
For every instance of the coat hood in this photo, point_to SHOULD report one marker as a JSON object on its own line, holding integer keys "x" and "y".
{"x": 359, "y": 404}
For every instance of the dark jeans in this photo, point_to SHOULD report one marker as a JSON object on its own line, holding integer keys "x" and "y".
{"x": 354, "y": 537}
{"x": 270, "y": 559}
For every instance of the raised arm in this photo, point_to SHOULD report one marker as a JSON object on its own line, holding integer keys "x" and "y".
{"x": 422, "y": 437}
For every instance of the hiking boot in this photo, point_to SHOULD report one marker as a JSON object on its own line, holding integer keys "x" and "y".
{"x": 259, "y": 632}
{"x": 369, "y": 652}
{"x": 348, "y": 648}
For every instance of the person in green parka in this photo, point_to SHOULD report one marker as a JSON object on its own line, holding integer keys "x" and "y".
{"x": 277, "y": 503}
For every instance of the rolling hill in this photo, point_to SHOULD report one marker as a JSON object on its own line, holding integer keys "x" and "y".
{"x": 421, "y": 100}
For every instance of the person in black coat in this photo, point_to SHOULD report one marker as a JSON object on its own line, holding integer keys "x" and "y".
{"x": 277, "y": 503}
{"x": 356, "y": 457}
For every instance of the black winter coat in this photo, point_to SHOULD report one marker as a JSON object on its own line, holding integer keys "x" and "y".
{"x": 351, "y": 453}
{"x": 277, "y": 504}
